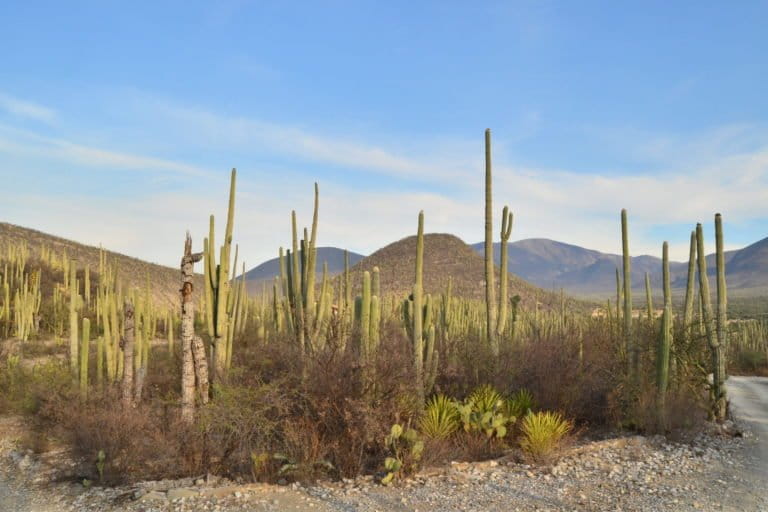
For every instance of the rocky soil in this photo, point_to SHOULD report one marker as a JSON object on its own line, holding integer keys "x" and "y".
{"x": 711, "y": 471}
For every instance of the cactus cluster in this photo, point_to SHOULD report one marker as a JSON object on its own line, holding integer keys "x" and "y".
{"x": 221, "y": 301}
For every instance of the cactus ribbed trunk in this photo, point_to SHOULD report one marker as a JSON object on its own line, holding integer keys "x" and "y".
{"x": 490, "y": 290}
{"x": 84, "y": 353}
{"x": 648, "y": 297}
{"x": 718, "y": 354}
{"x": 619, "y": 296}
{"x": 217, "y": 293}
{"x": 718, "y": 377}
{"x": 506, "y": 231}
{"x": 74, "y": 340}
{"x": 631, "y": 346}
{"x": 418, "y": 343}
{"x": 665, "y": 340}
{"x": 689, "y": 288}
{"x": 309, "y": 294}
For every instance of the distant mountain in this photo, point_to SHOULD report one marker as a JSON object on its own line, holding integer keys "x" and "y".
{"x": 267, "y": 271}
{"x": 445, "y": 256}
{"x": 747, "y": 268}
{"x": 553, "y": 265}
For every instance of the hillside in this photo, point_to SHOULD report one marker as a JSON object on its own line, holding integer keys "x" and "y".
{"x": 444, "y": 256}
{"x": 132, "y": 271}
{"x": 748, "y": 267}
{"x": 267, "y": 271}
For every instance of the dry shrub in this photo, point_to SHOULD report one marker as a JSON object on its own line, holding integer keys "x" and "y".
{"x": 23, "y": 389}
{"x": 281, "y": 414}
{"x": 242, "y": 420}
{"x": 142, "y": 443}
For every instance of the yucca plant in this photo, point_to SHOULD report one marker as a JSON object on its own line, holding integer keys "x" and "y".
{"x": 485, "y": 398}
{"x": 542, "y": 433}
{"x": 440, "y": 419}
{"x": 519, "y": 404}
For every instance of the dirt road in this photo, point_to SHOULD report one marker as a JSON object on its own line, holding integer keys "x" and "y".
{"x": 749, "y": 405}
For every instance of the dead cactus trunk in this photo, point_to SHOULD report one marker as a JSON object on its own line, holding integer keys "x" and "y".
{"x": 194, "y": 364}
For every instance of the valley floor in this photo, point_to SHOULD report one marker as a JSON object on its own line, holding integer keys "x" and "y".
{"x": 712, "y": 471}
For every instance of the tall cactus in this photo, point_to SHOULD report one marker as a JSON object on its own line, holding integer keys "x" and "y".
{"x": 619, "y": 297}
{"x": 631, "y": 347}
{"x": 84, "y": 353}
{"x": 722, "y": 320}
{"x": 689, "y": 288}
{"x": 490, "y": 290}
{"x": 506, "y": 231}
{"x": 73, "y": 337}
{"x": 665, "y": 337}
{"x": 418, "y": 313}
{"x": 308, "y": 317}
{"x": 217, "y": 288}
{"x": 648, "y": 297}
{"x": 368, "y": 315}
{"x": 718, "y": 373}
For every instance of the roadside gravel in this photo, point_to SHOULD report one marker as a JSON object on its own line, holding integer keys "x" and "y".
{"x": 709, "y": 472}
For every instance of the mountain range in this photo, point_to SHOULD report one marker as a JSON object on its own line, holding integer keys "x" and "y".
{"x": 579, "y": 271}
{"x": 553, "y": 265}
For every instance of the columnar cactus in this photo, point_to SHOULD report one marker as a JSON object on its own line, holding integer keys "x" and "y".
{"x": 718, "y": 370}
{"x": 722, "y": 320}
{"x": 689, "y": 288}
{"x": 665, "y": 337}
{"x": 74, "y": 340}
{"x": 631, "y": 347}
{"x": 308, "y": 318}
{"x": 417, "y": 314}
{"x": 217, "y": 287}
{"x": 648, "y": 297}
{"x": 619, "y": 297}
{"x": 506, "y": 231}
{"x": 490, "y": 290}
{"x": 84, "y": 353}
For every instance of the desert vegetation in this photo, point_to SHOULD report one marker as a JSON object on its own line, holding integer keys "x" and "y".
{"x": 349, "y": 375}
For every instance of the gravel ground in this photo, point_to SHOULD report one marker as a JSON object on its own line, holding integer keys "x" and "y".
{"x": 720, "y": 469}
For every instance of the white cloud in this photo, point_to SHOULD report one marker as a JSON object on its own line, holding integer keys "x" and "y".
{"x": 574, "y": 207}
{"x": 29, "y": 144}
{"x": 28, "y": 109}
{"x": 227, "y": 132}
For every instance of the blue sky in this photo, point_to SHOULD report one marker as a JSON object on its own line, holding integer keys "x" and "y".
{"x": 119, "y": 123}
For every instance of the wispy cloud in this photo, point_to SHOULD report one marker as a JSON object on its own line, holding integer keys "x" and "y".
{"x": 575, "y": 207}
{"x": 27, "y": 109}
{"x": 231, "y": 132}
{"x": 30, "y": 144}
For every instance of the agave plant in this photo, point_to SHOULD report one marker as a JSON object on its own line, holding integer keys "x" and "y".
{"x": 542, "y": 433}
{"x": 440, "y": 419}
{"x": 519, "y": 404}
